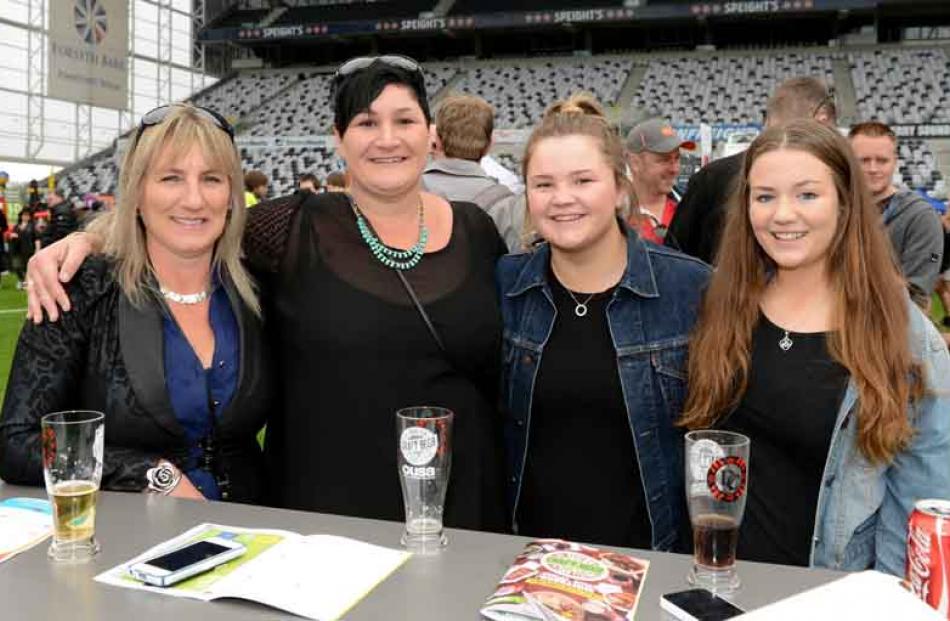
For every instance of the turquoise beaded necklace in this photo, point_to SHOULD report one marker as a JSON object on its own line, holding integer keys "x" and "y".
{"x": 390, "y": 257}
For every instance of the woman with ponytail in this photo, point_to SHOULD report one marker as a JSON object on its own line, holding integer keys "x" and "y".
{"x": 596, "y": 326}
{"x": 808, "y": 343}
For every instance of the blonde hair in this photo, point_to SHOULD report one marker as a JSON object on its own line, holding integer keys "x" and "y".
{"x": 464, "y": 124}
{"x": 123, "y": 232}
{"x": 579, "y": 115}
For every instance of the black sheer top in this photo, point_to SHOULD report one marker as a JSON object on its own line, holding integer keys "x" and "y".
{"x": 351, "y": 349}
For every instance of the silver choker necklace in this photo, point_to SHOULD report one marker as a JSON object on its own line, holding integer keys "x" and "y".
{"x": 189, "y": 299}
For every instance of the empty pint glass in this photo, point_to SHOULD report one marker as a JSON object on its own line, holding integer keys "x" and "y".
{"x": 72, "y": 467}
{"x": 424, "y": 456}
{"x": 717, "y": 477}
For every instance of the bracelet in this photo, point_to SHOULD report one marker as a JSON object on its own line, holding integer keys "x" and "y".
{"x": 163, "y": 478}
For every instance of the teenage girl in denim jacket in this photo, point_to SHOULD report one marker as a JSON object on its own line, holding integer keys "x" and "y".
{"x": 808, "y": 343}
{"x": 596, "y": 326}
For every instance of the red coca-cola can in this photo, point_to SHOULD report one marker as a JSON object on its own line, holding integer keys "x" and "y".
{"x": 928, "y": 553}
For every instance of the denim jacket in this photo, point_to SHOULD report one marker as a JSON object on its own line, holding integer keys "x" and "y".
{"x": 863, "y": 508}
{"x": 650, "y": 316}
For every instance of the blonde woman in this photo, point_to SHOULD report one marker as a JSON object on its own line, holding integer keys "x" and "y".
{"x": 596, "y": 325}
{"x": 164, "y": 333}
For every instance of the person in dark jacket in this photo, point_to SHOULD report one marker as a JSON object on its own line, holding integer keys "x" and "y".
{"x": 697, "y": 224}
{"x": 22, "y": 245}
{"x": 163, "y": 334}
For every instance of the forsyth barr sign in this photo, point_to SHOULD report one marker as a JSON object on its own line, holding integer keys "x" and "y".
{"x": 88, "y": 52}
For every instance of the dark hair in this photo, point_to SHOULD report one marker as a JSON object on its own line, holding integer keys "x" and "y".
{"x": 873, "y": 129}
{"x": 355, "y": 92}
{"x": 312, "y": 178}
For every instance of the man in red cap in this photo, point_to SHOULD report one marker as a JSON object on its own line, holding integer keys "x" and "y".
{"x": 653, "y": 154}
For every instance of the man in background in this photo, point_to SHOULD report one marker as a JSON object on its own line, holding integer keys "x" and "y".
{"x": 697, "y": 223}
{"x": 336, "y": 182}
{"x": 464, "y": 125}
{"x": 255, "y": 187}
{"x": 308, "y": 182}
{"x": 912, "y": 224}
{"x": 653, "y": 155}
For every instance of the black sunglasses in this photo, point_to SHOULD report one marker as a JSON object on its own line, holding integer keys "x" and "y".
{"x": 159, "y": 114}
{"x": 362, "y": 62}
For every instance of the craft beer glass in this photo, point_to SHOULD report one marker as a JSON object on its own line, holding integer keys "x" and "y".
{"x": 717, "y": 477}
{"x": 72, "y": 466}
{"x": 424, "y": 457}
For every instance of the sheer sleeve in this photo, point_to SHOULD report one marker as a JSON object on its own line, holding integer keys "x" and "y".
{"x": 267, "y": 232}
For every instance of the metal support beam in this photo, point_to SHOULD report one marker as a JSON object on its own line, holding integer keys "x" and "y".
{"x": 83, "y": 131}
{"x": 36, "y": 77}
{"x": 127, "y": 116}
{"x": 163, "y": 63}
{"x": 198, "y": 17}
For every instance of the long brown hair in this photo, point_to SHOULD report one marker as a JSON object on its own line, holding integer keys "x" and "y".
{"x": 871, "y": 315}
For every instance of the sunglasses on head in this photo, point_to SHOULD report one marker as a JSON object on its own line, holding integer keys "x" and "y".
{"x": 362, "y": 62}
{"x": 159, "y": 114}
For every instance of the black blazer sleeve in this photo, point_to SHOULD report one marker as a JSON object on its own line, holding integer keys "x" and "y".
{"x": 48, "y": 369}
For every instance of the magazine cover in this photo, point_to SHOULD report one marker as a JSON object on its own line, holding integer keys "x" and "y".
{"x": 555, "y": 580}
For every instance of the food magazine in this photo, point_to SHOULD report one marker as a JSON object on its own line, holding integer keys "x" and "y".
{"x": 556, "y": 580}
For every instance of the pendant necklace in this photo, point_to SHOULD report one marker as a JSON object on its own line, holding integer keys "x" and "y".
{"x": 785, "y": 343}
{"x": 581, "y": 309}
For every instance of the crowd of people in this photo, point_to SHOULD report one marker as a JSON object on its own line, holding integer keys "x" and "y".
{"x": 577, "y": 329}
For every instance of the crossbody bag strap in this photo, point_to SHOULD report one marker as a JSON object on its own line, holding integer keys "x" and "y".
{"x": 422, "y": 311}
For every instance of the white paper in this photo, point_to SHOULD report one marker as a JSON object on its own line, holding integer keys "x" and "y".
{"x": 319, "y": 577}
{"x": 864, "y": 595}
{"x": 24, "y": 522}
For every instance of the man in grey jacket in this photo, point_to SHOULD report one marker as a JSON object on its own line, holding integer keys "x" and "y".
{"x": 912, "y": 224}
{"x": 464, "y": 125}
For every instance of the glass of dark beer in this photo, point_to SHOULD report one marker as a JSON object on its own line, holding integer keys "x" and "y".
{"x": 717, "y": 477}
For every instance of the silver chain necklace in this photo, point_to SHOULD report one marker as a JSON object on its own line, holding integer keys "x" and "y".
{"x": 189, "y": 299}
{"x": 581, "y": 309}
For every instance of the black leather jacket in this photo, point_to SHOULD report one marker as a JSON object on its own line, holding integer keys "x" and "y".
{"x": 106, "y": 354}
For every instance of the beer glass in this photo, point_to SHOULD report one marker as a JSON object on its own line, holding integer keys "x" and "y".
{"x": 73, "y": 443}
{"x": 717, "y": 477}
{"x": 424, "y": 457}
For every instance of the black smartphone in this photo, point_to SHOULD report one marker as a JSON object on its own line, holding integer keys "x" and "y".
{"x": 699, "y": 605}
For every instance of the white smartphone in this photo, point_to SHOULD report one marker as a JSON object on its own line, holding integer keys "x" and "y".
{"x": 186, "y": 561}
{"x": 699, "y": 605}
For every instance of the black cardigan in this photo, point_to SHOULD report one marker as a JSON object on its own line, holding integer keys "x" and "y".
{"x": 106, "y": 354}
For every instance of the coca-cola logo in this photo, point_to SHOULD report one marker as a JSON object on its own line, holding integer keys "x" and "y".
{"x": 918, "y": 561}
{"x": 726, "y": 478}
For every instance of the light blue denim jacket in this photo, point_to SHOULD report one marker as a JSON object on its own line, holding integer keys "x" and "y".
{"x": 863, "y": 508}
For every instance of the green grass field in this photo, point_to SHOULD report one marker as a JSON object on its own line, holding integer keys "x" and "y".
{"x": 12, "y": 314}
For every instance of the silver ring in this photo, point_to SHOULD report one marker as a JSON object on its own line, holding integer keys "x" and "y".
{"x": 27, "y": 284}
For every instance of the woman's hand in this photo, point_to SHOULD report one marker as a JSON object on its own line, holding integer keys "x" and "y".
{"x": 186, "y": 489}
{"x": 48, "y": 269}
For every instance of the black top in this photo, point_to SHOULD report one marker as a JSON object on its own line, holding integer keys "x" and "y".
{"x": 581, "y": 478}
{"x": 352, "y": 350}
{"x": 697, "y": 223}
{"x": 789, "y": 412}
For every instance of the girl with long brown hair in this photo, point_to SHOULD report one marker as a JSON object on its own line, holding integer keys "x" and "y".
{"x": 808, "y": 343}
{"x": 596, "y": 326}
